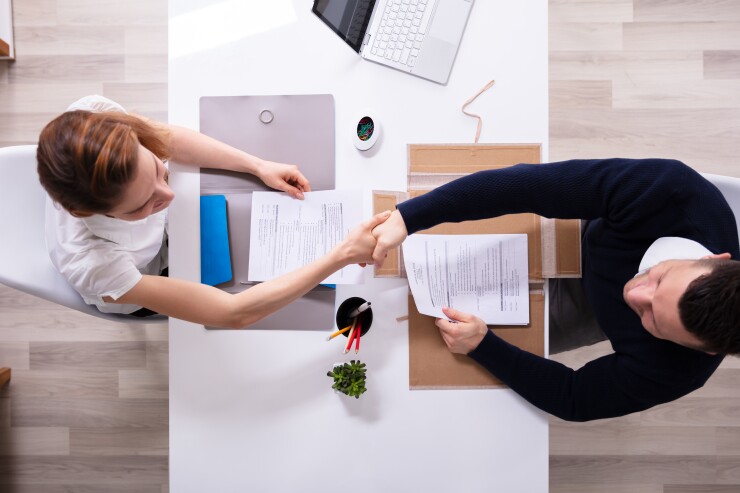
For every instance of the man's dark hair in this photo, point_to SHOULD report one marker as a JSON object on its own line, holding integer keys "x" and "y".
{"x": 710, "y": 307}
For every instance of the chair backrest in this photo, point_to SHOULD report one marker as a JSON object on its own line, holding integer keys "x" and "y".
{"x": 24, "y": 262}
{"x": 730, "y": 188}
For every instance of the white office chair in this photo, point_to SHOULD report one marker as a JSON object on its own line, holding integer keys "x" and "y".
{"x": 24, "y": 261}
{"x": 730, "y": 188}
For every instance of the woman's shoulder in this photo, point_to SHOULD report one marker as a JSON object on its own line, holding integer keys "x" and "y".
{"x": 96, "y": 103}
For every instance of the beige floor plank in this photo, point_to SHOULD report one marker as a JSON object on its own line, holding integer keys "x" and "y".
{"x": 119, "y": 441}
{"x": 730, "y": 362}
{"x": 668, "y": 124}
{"x": 605, "y": 487}
{"x": 590, "y": 11}
{"x": 44, "y": 440}
{"x": 143, "y": 384}
{"x": 694, "y": 10}
{"x": 573, "y": 36}
{"x": 105, "y": 470}
{"x": 22, "y": 128}
{"x": 581, "y": 94}
{"x": 149, "y": 40}
{"x": 141, "y": 98}
{"x": 626, "y": 469}
{"x": 68, "y": 40}
{"x": 73, "y": 487}
{"x": 31, "y": 100}
{"x": 70, "y": 326}
{"x": 692, "y": 151}
{"x": 701, "y": 488}
{"x": 89, "y": 413}
{"x": 5, "y": 408}
{"x": 92, "y": 355}
{"x": 722, "y": 64}
{"x": 15, "y": 355}
{"x": 654, "y": 36}
{"x": 157, "y": 355}
{"x": 579, "y": 357}
{"x": 626, "y": 65}
{"x": 69, "y": 68}
{"x": 112, "y": 12}
{"x": 728, "y": 441}
{"x": 569, "y": 439}
{"x": 724, "y": 383}
{"x": 717, "y": 93}
{"x": 146, "y": 69}
{"x": 728, "y": 471}
{"x": 688, "y": 411}
{"x": 35, "y": 13}
{"x": 64, "y": 383}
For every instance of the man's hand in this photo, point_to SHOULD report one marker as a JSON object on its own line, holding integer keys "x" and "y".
{"x": 285, "y": 177}
{"x": 464, "y": 333}
{"x": 389, "y": 234}
{"x": 358, "y": 246}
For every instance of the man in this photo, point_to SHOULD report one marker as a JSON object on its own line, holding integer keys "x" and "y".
{"x": 656, "y": 272}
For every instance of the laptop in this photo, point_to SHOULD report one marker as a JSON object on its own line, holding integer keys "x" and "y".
{"x": 420, "y": 37}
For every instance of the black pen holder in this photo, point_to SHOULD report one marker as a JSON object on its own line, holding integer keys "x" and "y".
{"x": 347, "y": 307}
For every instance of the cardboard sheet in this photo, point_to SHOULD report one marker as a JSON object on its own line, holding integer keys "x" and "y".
{"x": 554, "y": 251}
{"x": 433, "y": 366}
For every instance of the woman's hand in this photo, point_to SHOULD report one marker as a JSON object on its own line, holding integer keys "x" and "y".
{"x": 358, "y": 246}
{"x": 389, "y": 234}
{"x": 285, "y": 177}
{"x": 463, "y": 332}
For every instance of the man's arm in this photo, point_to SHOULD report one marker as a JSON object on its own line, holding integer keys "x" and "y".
{"x": 603, "y": 388}
{"x": 614, "y": 189}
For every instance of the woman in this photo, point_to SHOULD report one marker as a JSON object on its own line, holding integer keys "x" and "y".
{"x": 106, "y": 174}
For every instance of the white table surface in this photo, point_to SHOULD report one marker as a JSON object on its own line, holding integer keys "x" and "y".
{"x": 253, "y": 410}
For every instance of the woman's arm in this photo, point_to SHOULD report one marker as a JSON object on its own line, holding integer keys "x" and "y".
{"x": 210, "y": 306}
{"x": 194, "y": 148}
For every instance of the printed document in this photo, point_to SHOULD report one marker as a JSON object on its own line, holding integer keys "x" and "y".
{"x": 288, "y": 233}
{"x": 485, "y": 275}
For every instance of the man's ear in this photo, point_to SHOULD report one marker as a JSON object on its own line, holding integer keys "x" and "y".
{"x": 725, "y": 256}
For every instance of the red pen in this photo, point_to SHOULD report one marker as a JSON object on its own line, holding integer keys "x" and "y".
{"x": 359, "y": 333}
{"x": 352, "y": 335}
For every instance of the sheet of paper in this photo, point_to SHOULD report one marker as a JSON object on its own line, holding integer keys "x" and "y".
{"x": 288, "y": 233}
{"x": 486, "y": 275}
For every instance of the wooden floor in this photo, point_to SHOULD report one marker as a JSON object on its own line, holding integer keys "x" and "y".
{"x": 86, "y": 410}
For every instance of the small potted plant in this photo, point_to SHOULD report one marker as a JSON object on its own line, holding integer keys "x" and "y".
{"x": 349, "y": 378}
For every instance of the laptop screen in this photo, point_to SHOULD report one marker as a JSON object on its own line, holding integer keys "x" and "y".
{"x": 347, "y": 18}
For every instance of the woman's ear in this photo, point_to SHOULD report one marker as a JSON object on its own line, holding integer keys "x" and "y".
{"x": 80, "y": 214}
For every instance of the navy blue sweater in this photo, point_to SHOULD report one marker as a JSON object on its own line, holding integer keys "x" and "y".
{"x": 630, "y": 204}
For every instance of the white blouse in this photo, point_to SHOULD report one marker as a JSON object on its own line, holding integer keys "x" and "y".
{"x": 103, "y": 256}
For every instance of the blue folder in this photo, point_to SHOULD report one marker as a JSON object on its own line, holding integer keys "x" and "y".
{"x": 215, "y": 256}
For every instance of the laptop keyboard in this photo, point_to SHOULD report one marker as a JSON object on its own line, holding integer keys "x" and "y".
{"x": 402, "y": 28}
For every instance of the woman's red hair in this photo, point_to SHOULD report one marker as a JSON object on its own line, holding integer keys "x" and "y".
{"x": 86, "y": 159}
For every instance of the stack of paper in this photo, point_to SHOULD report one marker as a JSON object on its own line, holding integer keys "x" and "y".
{"x": 484, "y": 275}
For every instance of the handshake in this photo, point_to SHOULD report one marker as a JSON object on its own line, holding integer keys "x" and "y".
{"x": 369, "y": 242}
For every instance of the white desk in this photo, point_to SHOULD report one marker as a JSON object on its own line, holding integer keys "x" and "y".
{"x": 253, "y": 410}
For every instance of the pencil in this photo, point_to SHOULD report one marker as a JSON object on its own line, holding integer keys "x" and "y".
{"x": 332, "y": 336}
{"x": 359, "y": 333}
{"x": 351, "y": 337}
